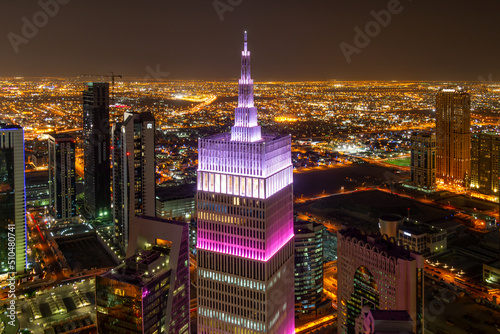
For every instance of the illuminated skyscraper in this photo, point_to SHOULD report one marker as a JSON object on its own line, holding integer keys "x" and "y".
{"x": 62, "y": 177}
{"x": 453, "y": 138}
{"x": 308, "y": 266}
{"x": 485, "y": 163}
{"x": 12, "y": 200}
{"x": 133, "y": 172}
{"x": 423, "y": 161}
{"x": 376, "y": 273}
{"x": 149, "y": 293}
{"x": 245, "y": 225}
{"x": 96, "y": 143}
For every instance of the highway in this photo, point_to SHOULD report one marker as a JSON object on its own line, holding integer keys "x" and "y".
{"x": 321, "y": 323}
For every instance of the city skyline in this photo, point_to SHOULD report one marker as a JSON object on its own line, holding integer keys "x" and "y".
{"x": 194, "y": 40}
{"x": 164, "y": 206}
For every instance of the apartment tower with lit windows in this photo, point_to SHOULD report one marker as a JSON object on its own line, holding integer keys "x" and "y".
{"x": 245, "y": 225}
{"x": 453, "y": 138}
{"x": 96, "y": 144}
{"x": 62, "y": 184}
{"x": 12, "y": 201}
{"x": 485, "y": 163}
{"x": 134, "y": 186}
{"x": 423, "y": 161}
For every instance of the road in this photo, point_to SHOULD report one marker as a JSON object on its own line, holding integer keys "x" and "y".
{"x": 48, "y": 247}
{"x": 330, "y": 281}
{"x": 52, "y": 271}
{"x": 330, "y": 225}
{"x": 448, "y": 275}
{"x": 317, "y": 326}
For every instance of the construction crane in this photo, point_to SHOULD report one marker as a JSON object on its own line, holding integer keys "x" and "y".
{"x": 112, "y": 76}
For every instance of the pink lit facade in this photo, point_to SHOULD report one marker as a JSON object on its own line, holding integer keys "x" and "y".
{"x": 245, "y": 225}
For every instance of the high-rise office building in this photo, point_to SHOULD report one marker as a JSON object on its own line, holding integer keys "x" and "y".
{"x": 12, "y": 200}
{"x": 133, "y": 150}
{"x": 62, "y": 177}
{"x": 423, "y": 161}
{"x": 378, "y": 274}
{"x": 453, "y": 138}
{"x": 149, "y": 293}
{"x": 245, "y": 225}
{"x": 485, "y": 163}
{"x": 96, "y": 145}
{"x": 308, "y": 265}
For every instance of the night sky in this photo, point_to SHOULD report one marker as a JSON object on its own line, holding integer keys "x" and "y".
{"x": 289, "y": 40}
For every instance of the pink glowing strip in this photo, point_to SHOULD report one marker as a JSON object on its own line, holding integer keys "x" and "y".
{"x": 239, "y": 252}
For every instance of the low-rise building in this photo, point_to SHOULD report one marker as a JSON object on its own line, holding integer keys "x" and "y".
{"x": 491, "y": 272}
{"x": 177, "y": 202}
{"x": 384, "y": 322}
{"x": 422, "y": 238}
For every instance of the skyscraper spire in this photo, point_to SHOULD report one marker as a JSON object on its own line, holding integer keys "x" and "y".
{"x": 245, "y": 121}
{"x": 245, "y": 225}
{"x": 246, "y": 40}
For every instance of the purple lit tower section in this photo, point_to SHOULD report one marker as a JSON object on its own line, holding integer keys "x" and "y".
{"x": 245, "y": 225}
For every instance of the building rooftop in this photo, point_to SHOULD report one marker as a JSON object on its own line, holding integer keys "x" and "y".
{"x": 445, "y": 224}
{"x": 226, "y": 136}
{"x": 418, "y": 229}
{"x": 142, "y": 117}
{"x": 61, "y": 136}
{"x": 177, "y": 192}
{"x": 4, "y": 126}
{"x": 305, "y": 227}
{"x": 83, "y": 251}
{"x": 412, "y": 229}
{"x": 143, "y": 267}
{"x": 495, "y": 264}
{"x": 381, "y": 242}
{"x": 391, "y": 217}
{"x": 390, "y": 315}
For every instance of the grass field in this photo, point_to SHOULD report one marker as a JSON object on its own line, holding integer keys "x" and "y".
{"x": 405, "y": 162}
{"x": 8, "y": 328}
